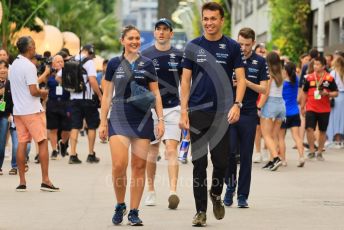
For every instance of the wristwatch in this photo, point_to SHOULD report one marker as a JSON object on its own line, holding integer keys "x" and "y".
{"x": 239, "y": 104}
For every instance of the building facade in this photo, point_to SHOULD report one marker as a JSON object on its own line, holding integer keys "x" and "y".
{"x": 334, "y": 25}
{"x": 254, "y": 14}
{"x": 140, "y": 13}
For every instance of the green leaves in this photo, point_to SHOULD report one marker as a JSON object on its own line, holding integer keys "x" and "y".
{"x": 289, "y": 26}
{"x": 87, "y": 20}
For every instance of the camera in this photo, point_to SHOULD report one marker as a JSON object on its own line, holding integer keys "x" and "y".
{"x": 45, "y": 62}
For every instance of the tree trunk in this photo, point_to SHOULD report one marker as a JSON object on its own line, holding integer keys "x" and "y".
{"x": 166, "y": 8}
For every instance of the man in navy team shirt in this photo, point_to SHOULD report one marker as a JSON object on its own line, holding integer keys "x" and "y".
{"x": 167, "y": 63}
{"x": 207, "y": 108}
{"x": 243, "y": 132}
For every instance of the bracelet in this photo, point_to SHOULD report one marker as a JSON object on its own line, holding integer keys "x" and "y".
{"x": 161, "y": 119}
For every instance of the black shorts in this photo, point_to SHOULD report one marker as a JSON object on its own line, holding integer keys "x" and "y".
{"x": 58, "y": 115}
{"x": 313, "y": 118}
{"x": 291, "y": 121}
{"x": 84, "y": 109}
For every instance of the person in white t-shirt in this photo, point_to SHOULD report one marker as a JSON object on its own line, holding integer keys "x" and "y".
{"x": 28, "y": 112}
{"x": 83, "y": 107}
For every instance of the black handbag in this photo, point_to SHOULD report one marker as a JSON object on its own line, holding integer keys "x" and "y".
{"x": 140, "y": 97}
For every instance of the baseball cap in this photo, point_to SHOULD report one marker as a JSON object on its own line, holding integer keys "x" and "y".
{"x": 164, "y": 21}
{"x": 90, "y": 49}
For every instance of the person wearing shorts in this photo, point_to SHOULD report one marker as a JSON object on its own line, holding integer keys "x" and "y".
{"x": 293, "y": 121}
{"x": 83, "y": 107}
{"x": 272, "y": 110}
{"x": 58, "y": 111}
{"x": 318, "y": 88}
{"x": 166, "y": 60}
{"x": 29, "y": 115}
{"x": 129, "y": 126}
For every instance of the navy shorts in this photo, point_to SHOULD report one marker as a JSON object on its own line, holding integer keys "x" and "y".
{"x": 291, "y": 121}
{"x": 58, "y": 115}
{"x": 84, "y": 109}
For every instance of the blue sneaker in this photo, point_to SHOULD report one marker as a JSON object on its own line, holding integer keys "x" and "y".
{"x": 242, "y": 201}
{"x": 228, "y": 199}
{"x": 120, "y": 211}
{"x": 133, "y": 218}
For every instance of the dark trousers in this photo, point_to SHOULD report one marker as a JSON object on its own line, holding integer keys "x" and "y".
{"x": 241, "y": 140}
{"x": 208, "y": 129}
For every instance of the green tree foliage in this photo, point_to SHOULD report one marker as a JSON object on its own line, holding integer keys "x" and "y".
{"x": 22, "y": 13}
{"x": 289, "y": 26}
{"x": 107, "y": 5}
{"x": 86, "y": 19}
{"x": 227, "y": 23}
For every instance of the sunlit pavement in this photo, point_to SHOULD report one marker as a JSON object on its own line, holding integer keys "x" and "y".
{"x": 291, "y": 198}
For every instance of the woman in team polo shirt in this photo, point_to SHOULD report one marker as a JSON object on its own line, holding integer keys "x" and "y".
{"x": 128, "y": 126}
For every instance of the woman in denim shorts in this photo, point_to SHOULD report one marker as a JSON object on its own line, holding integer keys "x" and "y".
{"x": 272, "y": 110}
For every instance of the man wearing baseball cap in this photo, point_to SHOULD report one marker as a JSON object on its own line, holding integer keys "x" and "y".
{"x": 167, "y": 63}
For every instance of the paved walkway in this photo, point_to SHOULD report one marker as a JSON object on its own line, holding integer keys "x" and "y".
{"x": 291, "y": 198}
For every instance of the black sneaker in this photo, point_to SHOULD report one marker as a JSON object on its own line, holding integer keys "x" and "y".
{"x": 120, "y": 211}
{"x": 268, "y": 165}
{"x": 1, "y": 172}
{"x": 82, "y": 133}
{"x": 73, "y": 159}
{"x": 200, "y": 219}
{"x": 54, "y": 155}
{"x": 49, "y": 188}
{"x": 62, "y": 148}
{"x": 37, "y": 158}
{"x": 311, "y": 156}
{"x": 21, "y": 188}
{"x": 276, "y": 163}
{"x": 218, "y": 208}
{"x": 91, "y": 158}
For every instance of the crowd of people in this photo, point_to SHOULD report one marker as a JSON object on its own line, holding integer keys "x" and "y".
{"x": 228, "y": 94}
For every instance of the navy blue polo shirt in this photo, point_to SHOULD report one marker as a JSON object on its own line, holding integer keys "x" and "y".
{"x": 168, "y": 68}
{"x": 143, "y": 71}
{"x": 256, "y": 71}
{"x": 52, "y": 84}
{"x": 212, "y": 64}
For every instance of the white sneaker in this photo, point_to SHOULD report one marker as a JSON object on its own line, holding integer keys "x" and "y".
{"x": 337, "y": 145}
{"x": 150, "y": 199}
{"x": 257, "y": 158}
{"x": 266, "y": 156}
{"x": 301, "y": 162}
{"x": 284, "y": 163}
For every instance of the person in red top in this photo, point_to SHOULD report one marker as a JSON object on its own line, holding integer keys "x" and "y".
{"x": 319, "y": 87}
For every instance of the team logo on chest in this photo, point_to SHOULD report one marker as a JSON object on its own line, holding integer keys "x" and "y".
{"x": 172, "y": 55}
{"x": 141, "y": 63}
{"x": 155, "y": 62}
{"x": 254, "y": 62}
{"x": 222, "y": 46}
{"x": 326, "y": 84}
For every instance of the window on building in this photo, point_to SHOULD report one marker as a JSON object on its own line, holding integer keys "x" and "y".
{"x": 334, "y": 32}
{"x": 248, "y": 7}
{"x": 238, "y": 10}
{"x": 261, "y": 3}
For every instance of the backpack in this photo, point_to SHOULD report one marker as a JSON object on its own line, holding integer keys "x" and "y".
{"x": 72, "y": 76}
